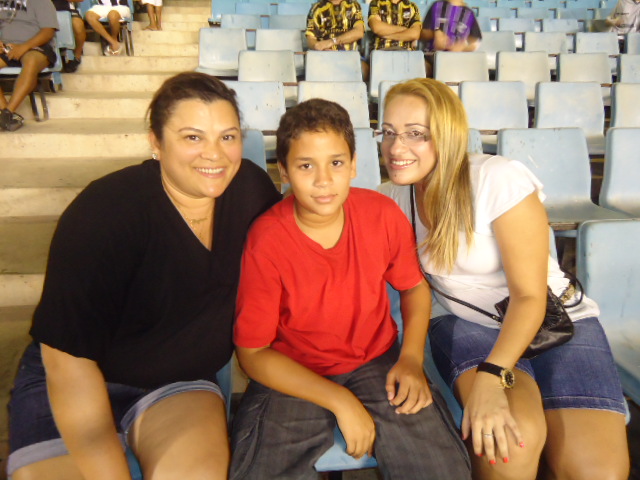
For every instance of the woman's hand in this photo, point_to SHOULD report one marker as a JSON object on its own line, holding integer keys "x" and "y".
{"x": 412, "y": 393}
{"x": 17, "y": 50}
{"x": 487, "y": 418}
{"x": 356, "y": 425}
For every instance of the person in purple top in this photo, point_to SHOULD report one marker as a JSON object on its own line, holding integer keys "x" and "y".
{"x": 449, "y": 25}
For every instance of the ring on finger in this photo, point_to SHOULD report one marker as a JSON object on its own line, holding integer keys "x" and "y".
{"x": 488, "y": 435}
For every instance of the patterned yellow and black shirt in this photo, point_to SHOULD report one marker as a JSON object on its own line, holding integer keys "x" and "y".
{"x": 327, "y": 20}
{"x": 404, "y": 14}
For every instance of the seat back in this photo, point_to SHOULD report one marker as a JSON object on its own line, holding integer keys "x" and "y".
{"x": 557, "y": 157}
{"x": 368, "y": 166}
{"x": 298, "y": 22}
{"x": 455, "y": 67}
{"x": 584, "y": 67}
{"x": 610, "y": 274}
{"x": 252, "y": 8}
{"x": 494, "y": 42}
{"x": 629, "y": 68}
{"x": 382, "y": 93}
{"x": 495, "y": 105}
{"x": 537, "y": 13}
{"x": 599, "y": 42}
{"x": 219, "y": 49}
{"x": 248, "y": 22}
{"x": 565, "y": 25}
{"x": 221, "y": 7}
{"x": 570, "y": 104}
{"x": 632, "y": 43}
{"x": 330, "y": 66}
{"x": 527, "y": 67}
{"x": 625, "y": 105}
{"x": 552, "y": 43}
{"x": 253, "y": 147}
{"x": 64, "y": 34}
{"x": 622, "y": 171}
{"x": 293, "y": 8}
{"x": 261, "y": 103}
{"x": 394, "y": 65}
{"x": 351, "y": 95}
{"x": 518, "y": 26}
{"x": 286, "y": 39}
{"x": 266, "y": 66}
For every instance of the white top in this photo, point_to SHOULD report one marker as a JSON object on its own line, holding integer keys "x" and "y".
{"x": 629, "y": 10}
{"x": 478, "y": 276}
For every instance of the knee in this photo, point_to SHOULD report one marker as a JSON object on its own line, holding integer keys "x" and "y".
{"x": 114, "y": 16}
{"x": 578, "y": 468}
{"x": 92, "y": 18}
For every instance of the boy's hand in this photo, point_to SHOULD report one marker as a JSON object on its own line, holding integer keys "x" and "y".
{"x": 17, "y": 51}
{"x": 412, "y": 394}
{"x": 357, "y": 427}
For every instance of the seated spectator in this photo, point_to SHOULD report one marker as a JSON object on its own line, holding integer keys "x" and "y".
{"x": 154, "y": 10}
{"x": 395, "y": 24}
{"x": 26, "y": 42}
{"x": 336, "y": 25}
{"x": 314, "y": 329}
{"x": 79, "y": 32}
{"x": 114, "y": 14}
{"x": 449, "y": 25}
{"x": 625, "y": 17}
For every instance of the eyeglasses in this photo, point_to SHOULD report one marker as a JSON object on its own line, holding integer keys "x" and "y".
{"x": 413, "y": 137}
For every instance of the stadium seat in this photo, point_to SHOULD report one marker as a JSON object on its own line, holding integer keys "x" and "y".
{"x": 455, "y": 67}
{"x": 219, "y": 50}
{"x": 527, "y": 67}
{"x": 351, "y": 95}
{"x": 586, "y": 67}
{"x": 629, "y": 68}
{"x": 494, "y": 42}
{"x": 394, "y": 65}
{"x": 328, "y": 66}
{"x": 289, "y": 39}
{"x": 622, "y": 172}
{"x": 270, "y": 66}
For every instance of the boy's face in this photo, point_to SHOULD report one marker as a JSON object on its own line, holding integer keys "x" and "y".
{"x": 319, "y": 170}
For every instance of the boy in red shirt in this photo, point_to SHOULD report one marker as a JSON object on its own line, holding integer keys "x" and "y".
{"x": 314, "y": 329}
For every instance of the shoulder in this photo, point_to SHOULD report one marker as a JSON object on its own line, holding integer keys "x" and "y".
{"x": 267, "y": 230}
{"x": 375, "y": 206}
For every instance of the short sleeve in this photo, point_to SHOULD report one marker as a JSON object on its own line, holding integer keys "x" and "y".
{"x": 501, "y": 185}
{"x": 357, "y": 15}
{"x": 428, "y": 18}
{"x": 258, "y": 303}
{"x": 475, "y": 28}
{"x": 415, "y": 17}
{"x": 312, "y": 27}
{"x": 374, "y": 9}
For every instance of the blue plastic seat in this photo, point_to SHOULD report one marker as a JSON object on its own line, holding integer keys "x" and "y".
{"x": 621, "y": 177}
{"x": 293, "y": 8}
{"x": 394, "y": 65}
{"x": 298, "y": 22}
{"x": 221, "y": 7}
{"x": 351, "y": 95}
{"x": 455, "y": 67}
{"x": 270, "y": 66}
{"x": 219, "y": 50}
{"x": 249, "y": 22}
{"x": 609, "y": 268}
{"x": 587, "y": 67}
{"x": 492, "y": 106}
{"x": 529, "y": 68}
{"x": 253, "y": 147}
{"x": 625, "y": 105}
{"x": 599, "y": 42}
{"x": 282, "y": 39}
{"x": 632, "y": 43}
{"x": 368, "y": 173}
{"x": 572, "y": 104}
{"x": 559, "y": 158}
{"x": 629, "y": 68}
{"x": 494, "y": 42}
{"x": 333, "y": 66}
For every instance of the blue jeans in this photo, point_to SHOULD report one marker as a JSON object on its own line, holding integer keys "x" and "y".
{"x": 277, "y": 436}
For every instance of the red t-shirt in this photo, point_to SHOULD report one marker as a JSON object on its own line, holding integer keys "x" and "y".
{"x": 327, "y": 309}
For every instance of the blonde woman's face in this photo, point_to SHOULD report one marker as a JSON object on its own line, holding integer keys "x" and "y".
{"x": 412, "y": 157}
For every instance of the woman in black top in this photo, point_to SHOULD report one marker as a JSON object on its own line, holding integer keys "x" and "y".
{"x": 138, "y": 304}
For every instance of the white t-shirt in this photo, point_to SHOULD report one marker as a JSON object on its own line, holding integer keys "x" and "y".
{"x": 629, "y": 10}
{"x": 478, "y": 276}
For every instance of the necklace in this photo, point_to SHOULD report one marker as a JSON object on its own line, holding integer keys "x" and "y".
{"x": 193, "y": 221}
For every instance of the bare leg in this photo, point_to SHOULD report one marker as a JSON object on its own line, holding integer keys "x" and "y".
{"x": 183, "y": 436}
{"x": 114, "y": 25}
{"x": 93, "y": 19}
{"x": 33, "y": 63}
{"x": 57, "y": 468}
{"x": 159, "y": 17}
{"x": 526, "y": 407}
{"x": 151, "y": 11}
{"x": 80, "y": 35}
{"x": 3, "y": 101}
{"x": 586, "y": 444}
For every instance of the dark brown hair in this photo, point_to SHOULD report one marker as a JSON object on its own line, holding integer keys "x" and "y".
{"x": 186, "y": 86}
{"x": 314, "y": 115}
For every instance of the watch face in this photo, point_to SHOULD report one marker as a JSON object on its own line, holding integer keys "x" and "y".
{"x": 508, "y": 378}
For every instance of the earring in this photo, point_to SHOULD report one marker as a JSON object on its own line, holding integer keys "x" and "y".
{"x": 154, "y": 155}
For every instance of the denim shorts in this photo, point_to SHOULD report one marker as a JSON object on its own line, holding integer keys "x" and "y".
{"x": 579, "y": 374}
{"x": 33, "y": 435}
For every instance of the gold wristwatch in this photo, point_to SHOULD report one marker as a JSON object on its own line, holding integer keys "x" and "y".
{"x": 507, "y": 378}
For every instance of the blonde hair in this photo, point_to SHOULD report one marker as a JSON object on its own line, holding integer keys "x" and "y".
{"x": 447, "y": 203}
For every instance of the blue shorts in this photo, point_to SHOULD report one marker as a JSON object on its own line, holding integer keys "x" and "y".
{"x": 33, "y": 435}
{"x": 579, "y": 374}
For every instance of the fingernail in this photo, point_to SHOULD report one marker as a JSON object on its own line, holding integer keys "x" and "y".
{"x": 521, "y": 444}
{"x": 505, "y": 459}
{"x": 480, "y": 454}
{"x": 492, "y": 462}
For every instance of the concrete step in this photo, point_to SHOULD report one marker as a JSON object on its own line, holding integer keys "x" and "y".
{"x": 202, "y": 9}
{"x": 177, "y": 17}
{"x": 81, "y": 138}
{"x": 165, "y": 37}
{"x": 95, "y": 105}
{"x": 24, "y": 244}
{"x": 164, "y": 64}
{"x": 166, "y": 50}
{"x": 174, "y": 26}
{"x": 45, "y": 186}
{"x": 113, "y": 82}
{"x": 20, "y": 289}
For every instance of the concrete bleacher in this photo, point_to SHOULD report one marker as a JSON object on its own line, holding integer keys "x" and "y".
{"x": 96, "y": 127}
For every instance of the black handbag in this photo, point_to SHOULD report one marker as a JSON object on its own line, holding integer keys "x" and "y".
{"x": 556, "y": 328}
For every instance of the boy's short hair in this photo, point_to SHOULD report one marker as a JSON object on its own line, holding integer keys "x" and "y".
{"x": 314, "y": 115}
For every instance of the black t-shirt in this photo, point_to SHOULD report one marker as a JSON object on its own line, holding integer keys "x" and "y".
{"x": 130, "y": 286}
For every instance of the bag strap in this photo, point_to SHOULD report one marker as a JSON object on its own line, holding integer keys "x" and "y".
{"x": 573, "y": 280}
